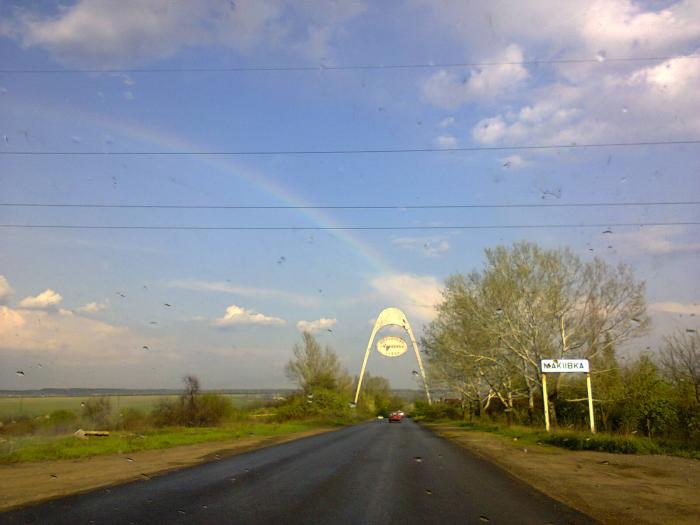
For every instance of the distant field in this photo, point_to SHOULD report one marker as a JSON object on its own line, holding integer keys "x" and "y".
{"x": 39, "y": 406}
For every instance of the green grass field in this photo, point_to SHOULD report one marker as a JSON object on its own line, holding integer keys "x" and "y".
{"x": 42, "y": 448}
{"x": 40, "y": 406}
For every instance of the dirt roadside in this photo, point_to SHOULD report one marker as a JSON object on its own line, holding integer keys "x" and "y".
{"x": 24, "y": 483}
{"x": 612, "y": 488}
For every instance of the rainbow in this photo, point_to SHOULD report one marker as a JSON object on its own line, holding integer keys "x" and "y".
{"x": 170, "y": 141}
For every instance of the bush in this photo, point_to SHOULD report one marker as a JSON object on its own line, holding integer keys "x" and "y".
{"x": 192, "y": 411}
{"x": 133, "y": 419}
{"x": 97, "y": 411}
{"x": 19, "y": 426}
{"x": 436, "y": 411}
{"x": 61, "y": 421}
{"x": 319, "y": 403}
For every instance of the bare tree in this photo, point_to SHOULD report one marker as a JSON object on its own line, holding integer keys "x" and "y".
{"x": 316, "y": 367}
{"x": 680, "y": 361}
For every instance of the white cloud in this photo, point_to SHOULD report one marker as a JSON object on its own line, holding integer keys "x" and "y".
{"x": 71, "y": 336}
{"x": 6, "y": 290}
{"x": 513, "y": 162}
{"x": 676, "y": 308}
{"x": 446, "y": 141}
{"x": 245, "y": 291}
{"x": 428, "y": 246}
{"x": 448, "y": 89}
{"x": 446, "y": 122}
{"x": 417, "y": 295}
{"x": 657, "y": 240}
{"x": 236, "y": 315}
{"x": 46, "y": 299}
{"x": 116, "y": 33}
{"x": 489, "y": 130}
{"x": 317, "y": 325}
{"x": 93, "y": 307}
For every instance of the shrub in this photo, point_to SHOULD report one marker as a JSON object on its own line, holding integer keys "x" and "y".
{"x": 318, "y": 403}
{"x": 436, "y": 411}
{"x": 132, "y": 419}
{"x": 61, "y": 421}
{"x": 192, "y": 411}
{"x": 97, "y": 411}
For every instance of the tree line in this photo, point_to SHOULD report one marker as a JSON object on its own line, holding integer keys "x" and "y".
{"x": 528, "y": 303}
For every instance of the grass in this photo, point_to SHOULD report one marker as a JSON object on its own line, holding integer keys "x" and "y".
{"x": 571, "y": 440}
{"x": 40, "y": 448}
{"x": 40, "y": 406}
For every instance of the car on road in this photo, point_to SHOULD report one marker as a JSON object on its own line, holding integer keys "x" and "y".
{"x": 395, "y": 416}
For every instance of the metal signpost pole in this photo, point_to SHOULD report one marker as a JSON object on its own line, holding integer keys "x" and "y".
{"x": 590, "y": 402}
{"x": 546, "y": 401}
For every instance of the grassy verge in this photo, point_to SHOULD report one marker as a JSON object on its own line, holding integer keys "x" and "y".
{"x": 583, "y": 440}
{"x": 41, "y": 448}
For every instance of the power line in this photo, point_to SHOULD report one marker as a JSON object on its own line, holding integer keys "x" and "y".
{"x": 350, "y": 67}
{"x": 362, "y": 151}
{"x": 342, "y": 228}
{"x": 347, "y": 207}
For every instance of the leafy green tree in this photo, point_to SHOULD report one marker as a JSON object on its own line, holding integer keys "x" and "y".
{"x": 648, "y": 402}
{"x": 529, "y": 303}
{"x": 315, "y": 367}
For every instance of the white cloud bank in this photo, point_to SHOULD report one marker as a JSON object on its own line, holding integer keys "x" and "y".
{"x": 117, "y": 33}
{"x": 94, "y": 307}
{"x": 46, "y": 299}
{"x": 317, "y": 325}
{"x": 448, "y": 89}
{"x": 417, "y": 295}
{"x": 426, "y": 246}
{"x": 6, "y": 290}
{"x": 676, "y": 308}
{"x": 236, "y": 315}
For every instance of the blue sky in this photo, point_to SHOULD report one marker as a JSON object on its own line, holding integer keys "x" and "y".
{"x": 88, "y": 307}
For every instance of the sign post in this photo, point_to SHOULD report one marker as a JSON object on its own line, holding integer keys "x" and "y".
{"x": 564, "y": 366}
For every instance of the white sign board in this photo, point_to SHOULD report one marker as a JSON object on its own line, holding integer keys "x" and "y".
{"x": 551, "y": 366}
{"x": 391, "y": 346}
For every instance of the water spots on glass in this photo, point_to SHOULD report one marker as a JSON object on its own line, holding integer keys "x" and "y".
{"x": 20, "y": 373}
{"x": 499, "y": 311}
{"x": 181, "y": 512}
{"x": 282, "y": 260}
{"x": 129, "y": 460}
{"x": 484, "y": 518}
{"x": 167, "y": 305}
{"x": 429, "y": 492}
{"x": 625, "y": 109}
{"x": 53, "y": 476}
{"x": 607, "y": 232}
{"x": 145, "y": 347}
{"x": 120, "y": 294}
{"x": 690, "y": 330}
{"x": 418, "y": 459}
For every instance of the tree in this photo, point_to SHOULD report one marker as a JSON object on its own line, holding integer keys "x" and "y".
{"x": 648, "y": 404}
{"x": 680, "y": 361}
{"x": 526, "y": 304}
{"x": 315, "y": 367}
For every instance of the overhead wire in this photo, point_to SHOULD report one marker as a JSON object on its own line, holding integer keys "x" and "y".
{"x": 608, "y": 226}
{"x": 348, "y": 207}
{"x": 521, "y": 147}
{"x": 348, "y": 67}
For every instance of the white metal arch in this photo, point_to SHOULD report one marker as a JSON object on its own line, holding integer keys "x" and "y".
{"x": 392, "y": 317}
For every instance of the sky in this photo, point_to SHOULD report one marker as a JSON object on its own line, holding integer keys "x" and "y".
{"x": 99, "y": 99}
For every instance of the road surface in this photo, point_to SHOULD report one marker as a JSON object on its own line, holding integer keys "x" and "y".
{"x": 375, "y": 472}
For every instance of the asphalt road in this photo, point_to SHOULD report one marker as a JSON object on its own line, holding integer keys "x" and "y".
{"x": 375, "y": 472}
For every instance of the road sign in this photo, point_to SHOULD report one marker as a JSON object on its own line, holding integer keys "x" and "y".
{"x": 551, "y": 366}
{"x": 391, "y": 346}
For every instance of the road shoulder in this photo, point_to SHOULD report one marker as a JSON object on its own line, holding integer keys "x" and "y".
{"x": 612, "y": 488}
{"x": 27, "y": 483}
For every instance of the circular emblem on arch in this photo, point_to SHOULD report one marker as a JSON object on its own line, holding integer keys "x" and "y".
{"x": 391, "y": 346}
